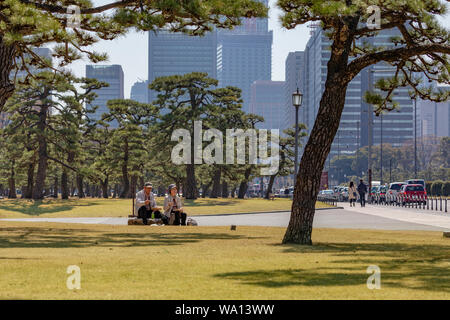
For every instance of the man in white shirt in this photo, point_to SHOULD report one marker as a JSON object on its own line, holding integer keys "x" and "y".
{"x": 146, "y": 204}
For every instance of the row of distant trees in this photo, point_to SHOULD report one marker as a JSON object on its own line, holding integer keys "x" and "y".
{"x": 438, "y": 188}
{"x": 53, "y": 147}
{"x": 433, "y": 162}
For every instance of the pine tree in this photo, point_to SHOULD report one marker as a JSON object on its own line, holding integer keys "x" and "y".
{"x": 74, "y": 25}
{"x": 421, "y": 47}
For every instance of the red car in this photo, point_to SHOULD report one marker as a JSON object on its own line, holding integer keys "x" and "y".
{"x": 413, "y": 193}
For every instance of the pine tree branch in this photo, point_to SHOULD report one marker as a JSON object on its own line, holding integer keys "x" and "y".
{"x": 393, "y": 56}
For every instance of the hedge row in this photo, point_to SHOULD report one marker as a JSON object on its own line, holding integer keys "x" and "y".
{"x": 438, "y": 188}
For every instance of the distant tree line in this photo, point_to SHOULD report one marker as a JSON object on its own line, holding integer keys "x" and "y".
{"x": 438, "y": 188}
{"x": 433, "y": 162}
{"x": 54, "y": 148}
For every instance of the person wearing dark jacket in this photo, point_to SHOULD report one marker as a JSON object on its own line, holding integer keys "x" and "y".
{"x": 362, "y": 190}
{"x": 146, "y": 205}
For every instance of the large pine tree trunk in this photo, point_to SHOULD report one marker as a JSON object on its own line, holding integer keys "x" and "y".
{"x": 64, "y": 177}
{"x": 55, "y": 187}
{"x": 12, "y": 183}
{"x": 64, "y": 185}
{"x": 104, "y": 185}
{"x": 270, "y": 185}
{"x": 30, "y": 181}
{"x": 205, "y": 189}
{"x": 116, "y": 190}
{"x": 7, "y": 58}
{"x": 312, "y": 163}
{"x": 215, "y": 192}
{"x": 133, "y": 186}
{"x": 225, "y": 189}
{"x": 322, "y": 135}
{"x": 88, "y": 190}
{"x": 80, "y": 186}
{"x": 244, "y": 183}
{"x": 190, "y": 190}
{"x": 125, "y": 181}
{"x": 41, "y": 174}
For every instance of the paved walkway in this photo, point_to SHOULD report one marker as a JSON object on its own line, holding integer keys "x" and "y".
{"x": 370, "y": 217}
{"x": 439, "y": 219}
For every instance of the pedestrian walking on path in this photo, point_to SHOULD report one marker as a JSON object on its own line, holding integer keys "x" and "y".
{"x": 352, "y": 195}
{"x": 362, "y": 190}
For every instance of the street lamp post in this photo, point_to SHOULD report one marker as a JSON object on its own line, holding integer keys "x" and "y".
{"x": 415, "y": 137}
{"x": 369, "y": 137}
{"x": 370, "y": 126}
{"x": 297, "y": 98}
{"x": 381, "y": 149}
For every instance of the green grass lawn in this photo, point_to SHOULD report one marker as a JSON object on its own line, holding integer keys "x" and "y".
{"x": 142, "y": 262}
{"x": 93, "y": 207}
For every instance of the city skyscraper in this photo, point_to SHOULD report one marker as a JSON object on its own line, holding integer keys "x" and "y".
{"x": 244, "y": 55}
{"x": 294, "y": 78}
{"x": 139, "y": 91}
{"x": 433, "y": 118}
{"x": 175, "y": 53}
{"x": 354, "y": 127}
{"x": 267, "y": 100}
{"x": 113, "y": 75}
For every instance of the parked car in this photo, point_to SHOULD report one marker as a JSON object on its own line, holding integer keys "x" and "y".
{"x": 326, "y": 193}
{"x": 373, "y": 192}
{"x": 411, "y": 191}
{"x": 336, "y": 190}
{"x": 381, "y": 193}
{"x": 393, "y": 190}
{"x": 416, "y": 181}
{"x": 343, "y": 194}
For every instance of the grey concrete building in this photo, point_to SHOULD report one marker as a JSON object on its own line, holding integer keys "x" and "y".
{"x": 139, "y": 91}
{"x": 113, "y": 75}
{"x": 353, "y": 131}
{"x": 433, "y": 118}
{"x": 267, "y": 100}
{"x": 244, "y": 55}
{"x": 175, "y": 53}
{"x": 294, "y": 78}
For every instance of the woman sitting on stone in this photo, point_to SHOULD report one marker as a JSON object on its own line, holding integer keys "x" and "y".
{"x": 173, "y": 209}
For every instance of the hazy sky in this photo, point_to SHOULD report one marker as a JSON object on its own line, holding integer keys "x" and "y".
{"x": 131, "y": 51}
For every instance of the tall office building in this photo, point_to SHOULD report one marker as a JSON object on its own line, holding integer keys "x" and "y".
{"x": 294, "y": 78}
{"x": 113, "y": 75}
{"x": 175, "y": 53}
{"x": 139, "y": 91}
{"x": 353, "y": 130}
{"x": 244, "y": 55}
{"x": 433, "y": 118}
{"x": 267, "y": 100}
{"x": 397, "y": 126}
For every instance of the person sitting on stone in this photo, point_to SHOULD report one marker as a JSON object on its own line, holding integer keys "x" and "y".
{"x": 173, "y": 209}
{"x": 146, "y": 205}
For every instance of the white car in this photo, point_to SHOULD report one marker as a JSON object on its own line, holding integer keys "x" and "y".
{"x": 394, "y": 189}
{"x": 326, "y": 193}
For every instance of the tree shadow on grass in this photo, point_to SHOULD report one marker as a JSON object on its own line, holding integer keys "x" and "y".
{"x": 38, "y": 207}
{"x": 408, "y": 266}
{"x": 31, "y": 237}
{"x": 209, "y": 202}
{"x": 293, "y": 277}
